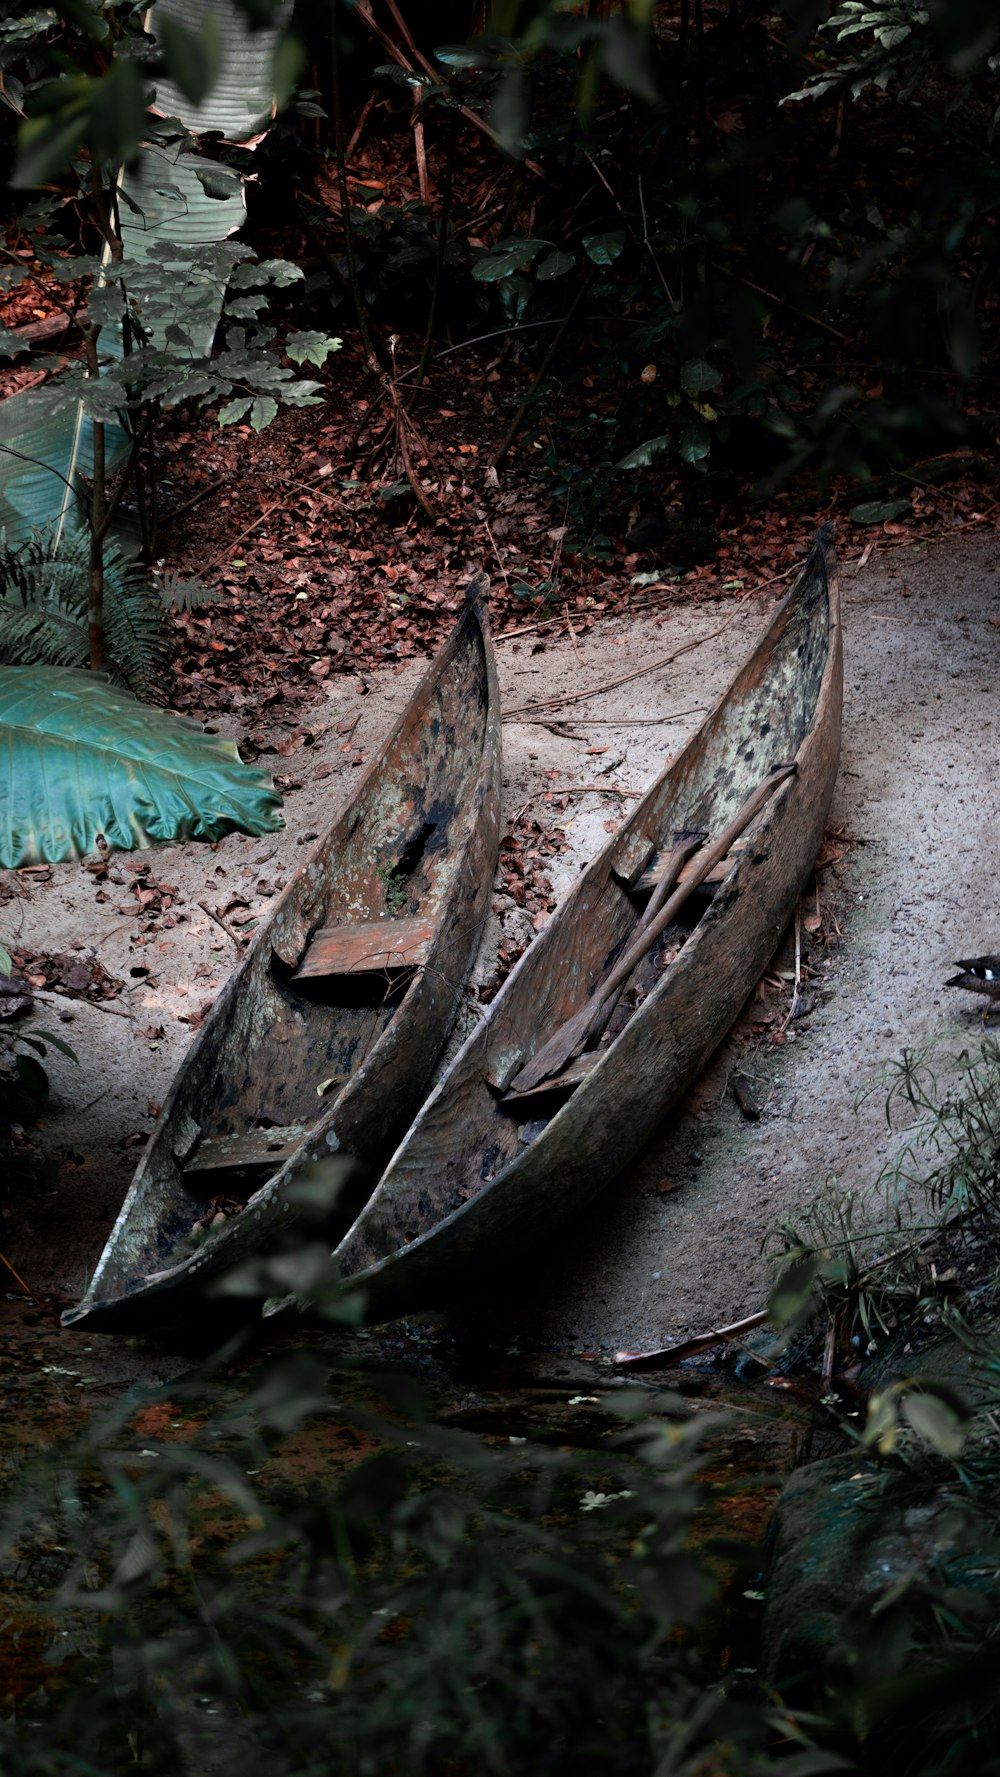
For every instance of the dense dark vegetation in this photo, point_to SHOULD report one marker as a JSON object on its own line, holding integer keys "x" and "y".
{"x": 715, "y": 250}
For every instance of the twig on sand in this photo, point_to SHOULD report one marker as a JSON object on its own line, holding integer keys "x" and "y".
{"x": 551, "y": 703}
{"x": 793, "y": 1008}
{"x": 27, "y": 1290}
{"x": 503, "y": 570}
{"x": 223, "y": 925}
{"x": 675, "y": 1354}
{"x": 558, "y": 726}
{"x": 572, "y": 634}
{"x": 52, "y": 993}
{"x": 573, "y": 790}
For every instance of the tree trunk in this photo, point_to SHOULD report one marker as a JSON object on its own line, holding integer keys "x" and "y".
{"x": 98, "y": 506}
{"x": 95, "y": 577}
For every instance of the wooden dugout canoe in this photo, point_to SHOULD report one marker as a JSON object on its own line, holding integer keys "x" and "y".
{"x": 486, "y": 1173}
{"x": 353, "y": 981}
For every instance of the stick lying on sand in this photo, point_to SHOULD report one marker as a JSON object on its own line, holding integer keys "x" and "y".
{"x": 675, "y": 1354}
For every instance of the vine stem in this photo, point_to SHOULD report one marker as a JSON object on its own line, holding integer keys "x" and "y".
{"x": 543, "y": 369}
{"x": 439, "y": 260}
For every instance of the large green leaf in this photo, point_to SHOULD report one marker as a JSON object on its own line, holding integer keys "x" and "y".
{"x": 241, "y": 100}
{"x": 171, "y": 204}
{"x": 81, "y": 757}
{"x": 46, "y": 446}
{"x": 168, "y": 191}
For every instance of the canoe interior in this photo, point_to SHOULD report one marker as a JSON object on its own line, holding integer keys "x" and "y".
{"x": 479, "y": 1155}
{"x": 289, "y": 1055}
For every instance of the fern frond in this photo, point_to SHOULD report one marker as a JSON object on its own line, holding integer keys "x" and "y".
{"x": 189, "y": 594}
{"x": 135, "y": 640}
{"x": 49, "y": 581}
{"x": 12, "y": 572}
{"x": 35, "y": 637}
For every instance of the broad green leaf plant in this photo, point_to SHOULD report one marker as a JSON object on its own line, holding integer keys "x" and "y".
{"x": 167, "y": 216}
{"x": 167, "y": 275}
{"x": 84, "y": 760}
{"x": 23, "y": 1079}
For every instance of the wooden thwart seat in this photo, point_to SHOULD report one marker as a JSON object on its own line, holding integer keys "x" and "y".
{"x": 245, "y": 1147}
{"x": 366, "y": 947}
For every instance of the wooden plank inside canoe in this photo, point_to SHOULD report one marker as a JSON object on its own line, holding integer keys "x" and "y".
{"x": 649, "y": 878}
{"x": 246, "y": 1147}
{"x": 369, "y": 945}
{"x": 632, "y": 855}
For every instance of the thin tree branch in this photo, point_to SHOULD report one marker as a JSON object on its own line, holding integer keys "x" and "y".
{"x": 675, "y": 1354}
{"x": 517, "y": 422}
{"x": 363, "y": 11}
{"x": 551, "y": 703}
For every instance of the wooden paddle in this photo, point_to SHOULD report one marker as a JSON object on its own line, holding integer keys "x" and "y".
{"x": 555, "y": 1055}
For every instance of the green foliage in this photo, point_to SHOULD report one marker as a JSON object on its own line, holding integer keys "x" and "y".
{"x": 187, "y": 594}
{"x": 882, "y": 1598}
{"x": 194, "y": 57}
{"x": 604, "y": 249}
{"x": 395, "y": 249}
{"x": 526, "y": 42}
{"x": 160, "y": 300}
{"x": 164, "y": 215}
{"x": 91, "y": 67}
{"x": 289, "y": 1561}
{"x": 447, "y": 1602}
{"x": 22, "y": 1077}
{"x": 581, "y": 490}
{"x": 105, "y": 113}
{"x": 46, "y": 457}
{"x": 309, "y": 347}
{"x": 878, "y": 511}
{"x": 43, "y": 611}
{"x": 506, "y": 258}
{"x": 82, "y": 759}
{"x": 900, "y": 1661}
{"x": 899, "y": 43}
{"x": 939, "y": 1415}
{"x": 950, "y": 1103}
{"x": 862, "y": 1254}
{"x": 24, "y": 1082}
{"x": 692, "y": 250}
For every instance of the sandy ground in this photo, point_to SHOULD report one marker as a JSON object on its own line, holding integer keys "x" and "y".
{"x": 674, "y": 1246}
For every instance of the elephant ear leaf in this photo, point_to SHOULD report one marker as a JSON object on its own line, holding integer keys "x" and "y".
{"x": 81, "y": 757}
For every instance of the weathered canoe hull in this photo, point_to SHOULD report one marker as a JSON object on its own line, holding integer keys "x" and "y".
{"x": 432, "y": 1225}
{"x": 432, "y": 793}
